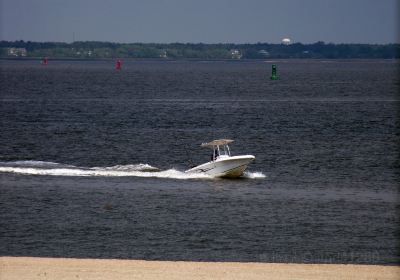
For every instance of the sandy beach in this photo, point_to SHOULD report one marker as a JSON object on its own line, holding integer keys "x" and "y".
{"x": 61, "y": 268}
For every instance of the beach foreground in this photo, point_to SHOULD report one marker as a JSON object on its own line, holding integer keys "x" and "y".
{"x": 63, "y": 268}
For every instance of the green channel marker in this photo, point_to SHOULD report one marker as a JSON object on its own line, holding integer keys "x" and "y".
{"x": 273, "y": 75}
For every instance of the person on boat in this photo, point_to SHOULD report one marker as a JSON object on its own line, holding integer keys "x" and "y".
{"x": 215, "y": 154}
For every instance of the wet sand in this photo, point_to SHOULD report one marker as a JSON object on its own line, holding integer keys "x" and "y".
{"x": 61, "y": 268}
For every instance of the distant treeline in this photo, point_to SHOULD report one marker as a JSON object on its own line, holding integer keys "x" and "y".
{"x": 93, "y": 49}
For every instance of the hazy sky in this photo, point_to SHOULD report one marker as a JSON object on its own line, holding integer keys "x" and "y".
{"x": 207, "y": 21}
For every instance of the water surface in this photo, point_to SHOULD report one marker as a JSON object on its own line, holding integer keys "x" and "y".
{"x": 80, "y": 143}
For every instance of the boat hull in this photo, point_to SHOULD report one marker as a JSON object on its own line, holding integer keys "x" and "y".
{"x": 230, "y": 167}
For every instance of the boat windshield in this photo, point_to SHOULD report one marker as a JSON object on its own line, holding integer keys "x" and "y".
{"x": 225, "y": 151}
{"x": 221, "y": 151}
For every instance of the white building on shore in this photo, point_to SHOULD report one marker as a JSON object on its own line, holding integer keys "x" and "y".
{"x": 16, "y": 52}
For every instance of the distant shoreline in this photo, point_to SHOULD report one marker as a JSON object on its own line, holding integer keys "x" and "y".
{"x": 193, "y": 59}
{"x": 224, "y": 51}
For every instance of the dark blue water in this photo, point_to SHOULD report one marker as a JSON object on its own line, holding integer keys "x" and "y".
{"x": 78, "y": 141}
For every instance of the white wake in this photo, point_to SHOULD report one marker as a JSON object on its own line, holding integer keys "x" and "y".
{"x": 31, "y": 167}
{"x": 253, "y": 175}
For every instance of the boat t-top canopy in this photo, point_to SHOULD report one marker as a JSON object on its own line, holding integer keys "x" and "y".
{"x": 219, "y": 142}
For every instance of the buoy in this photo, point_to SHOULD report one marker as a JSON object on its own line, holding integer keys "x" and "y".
{"x": 45, "y": 61}
{"x": 118, "y": 66}
{"x": 273, "y": 74}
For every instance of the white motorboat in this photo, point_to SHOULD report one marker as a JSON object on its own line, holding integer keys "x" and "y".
{"x": 222, "y": 164}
